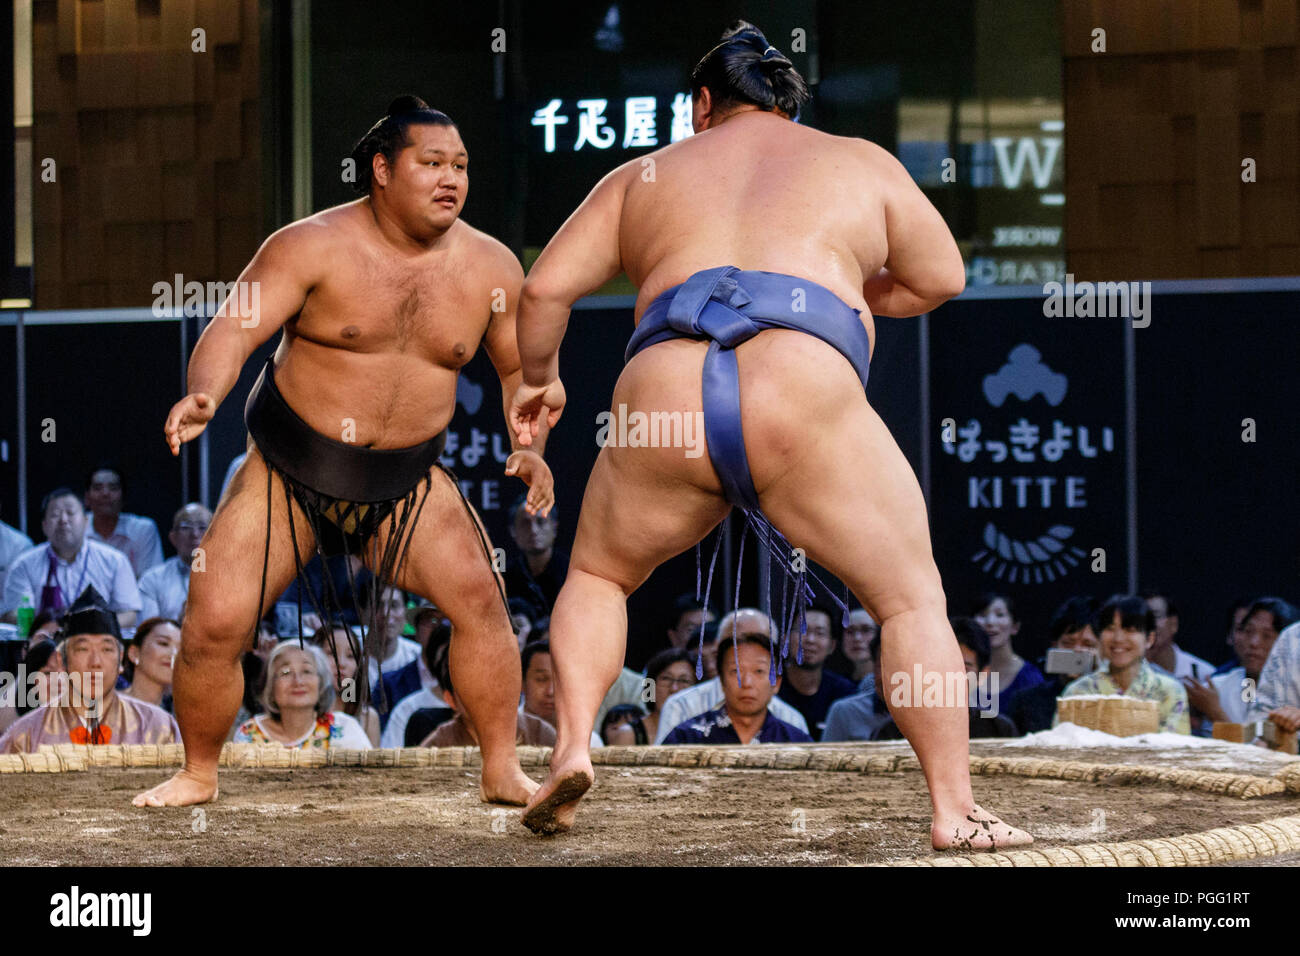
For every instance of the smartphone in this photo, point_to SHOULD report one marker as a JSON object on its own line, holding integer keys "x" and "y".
{"x": 1061, "y": 661}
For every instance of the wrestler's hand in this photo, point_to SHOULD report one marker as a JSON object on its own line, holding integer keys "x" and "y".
{"x": 528, "y": 405}
{"x": 536, "y": 473}
{"x": 187, "y": 419}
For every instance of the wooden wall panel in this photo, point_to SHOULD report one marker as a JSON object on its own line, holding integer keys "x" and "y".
{"x": 1156, "y": 130}
{"x": 158, "y": 147}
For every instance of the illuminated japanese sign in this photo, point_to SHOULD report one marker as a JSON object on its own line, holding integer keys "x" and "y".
{"x": 587, "y": 123}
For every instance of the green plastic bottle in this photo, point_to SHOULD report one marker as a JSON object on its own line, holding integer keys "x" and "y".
{"x": 25, "y": 614}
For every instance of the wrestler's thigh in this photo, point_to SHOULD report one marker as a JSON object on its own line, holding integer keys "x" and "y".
{"x": 444, "y": 560}
{"x": 642, "y": 506}
{"x": 223, "y": 597}
{"x": 848, "y": 497}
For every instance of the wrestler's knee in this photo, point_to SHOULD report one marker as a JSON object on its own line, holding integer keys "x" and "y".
{"x": 214, "y": 627}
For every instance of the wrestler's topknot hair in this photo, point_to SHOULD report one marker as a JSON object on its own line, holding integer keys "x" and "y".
{"x": 745, "y": 68}
{"x": 388, "y": 136}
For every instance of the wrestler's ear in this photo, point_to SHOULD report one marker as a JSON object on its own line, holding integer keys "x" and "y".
{"x": 379, "y": 168}
{"x": 701, "y": 110}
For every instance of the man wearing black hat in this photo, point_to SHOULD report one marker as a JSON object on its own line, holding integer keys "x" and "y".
{"x": 85, "y": 708}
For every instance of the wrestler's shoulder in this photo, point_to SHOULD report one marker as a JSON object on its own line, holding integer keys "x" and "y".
{"x": 488, "y": 251}
{"x": 312, "y": 234}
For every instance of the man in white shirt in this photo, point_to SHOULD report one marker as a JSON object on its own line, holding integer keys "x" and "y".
{"x": 429, "y": 694}
{"x": 12, "y": 543}
{"x": 165, "y": 587}
{"x": 387, "y": 649}
{"x": 1163, "y": 652}
{"x": 52, "y": 575}
{"x": 702, "y": 698}
{"x": 133, "y": 535}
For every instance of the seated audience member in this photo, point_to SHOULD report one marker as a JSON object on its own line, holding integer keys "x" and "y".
{"x": 539, "y": 684}
{"x": 386, "y": 648}
{"x": 860, "y": 715}
{"x": 1224, "y": 696}
{"x": 707, "y": 694}
{"x": 86, "y": 708}
{"x": 31, "y": 687}
{"x": 535, "y": 567}
{"x": 298, "y": 705}
{"x": 856, "y": 647}
{"x": 668, "y": 671}
{"x": 687, "y": 617}
{"x": 1278, "y": 696}
{"x": 1163, "y": 653}
{"x": 339, "y": 585}
{"x": 809, "y": 687}
{"x": 975, "y": 652}
{"x": 152, "y": 655}
{"x": 165, "y": 588}
{"x": 1236, "y": 614}
{"x": 628, "y": 688}
{"x": 744, "y": 666}
{"x": 1033, "y": 709}
{"x": 996, "y": 614}
{"x": 52, "y": 575}
{"x": 335, "y": 642}
{"x": 460, "y": 732}
{"x": 1126, "y": 625}
{"x": 134, "y": 535}
{"x": 617, "y": 728}
{"x": 413, "y": 676}
{"x": 429, "y": 694}
{"x": 703, "y": 652}
{"x": 521, "y": 618}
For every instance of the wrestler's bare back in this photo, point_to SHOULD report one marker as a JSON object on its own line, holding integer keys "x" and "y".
{"x": 381, "y": 333}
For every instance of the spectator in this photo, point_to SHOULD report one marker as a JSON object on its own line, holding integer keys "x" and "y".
{"x": 1034, "y": 708}
{"x": 860, "y": 715}
{"x": 133, "y": 535}
{"x": 31, "y": 688}
{"x": 386, "y": 648}
{"x": 996, "y": 614}
{"x": 688, "y": 615}
{"x": 521, "y": 619}
{"x": 703, "y": 652}
{"x": 335, "y": 643}
{"x": 1126, "y": 626}
{"x": 1223, "y": 697}
{"x": 1171, "y": 659}
{"x": 668, "y": 671}
{"x": 808, "y": 686}
{"x": 1278, "y": 696}
{"x": 744, "y": 665}
{"x": 298, "y": 705}
{"x": 86, "y": 708}
{"x": 427, "y": 694}
{"x": 12, "y": 543}
{"x": 165, "y": 588}
{"x": 856, "y": 647}
{"x": 152, "y": 655}
{"x": 415, "y": 675}
{"x": 459, "y": 732}
{"x": 535, "y": 569}
{"x": 539, "y": 685}
{"x": 707, "y": 694}
{"x": 53, "y": 574}
{"x": 1236, "y": 614}
{"x": 621, "y": 726}
{"x": 337, "y": 585}
{"x": 976, "y": 653}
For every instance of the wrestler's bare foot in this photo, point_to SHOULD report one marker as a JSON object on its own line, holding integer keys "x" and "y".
{"x": 185, "y": 788}
{"x": 512, "y": 787}
{"x": 976, "y": 829}
{"x": 555, "y": 804}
